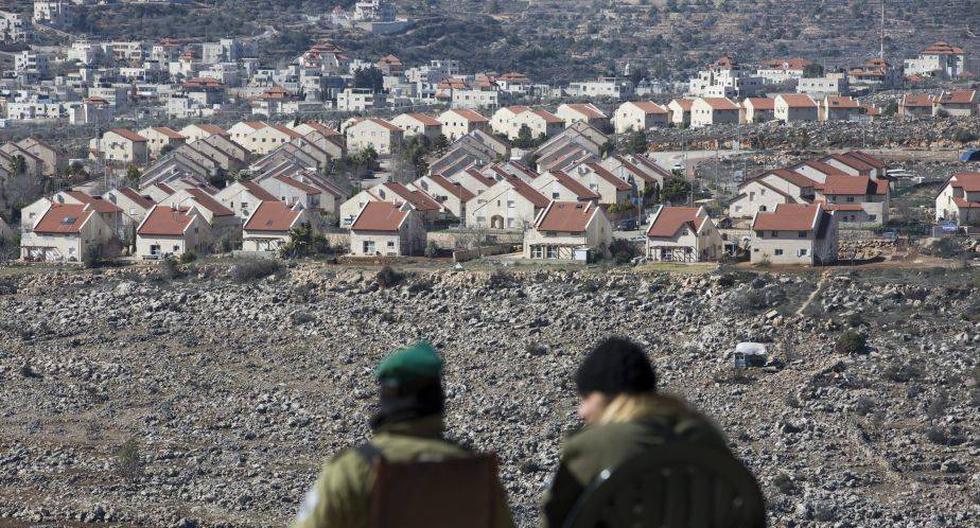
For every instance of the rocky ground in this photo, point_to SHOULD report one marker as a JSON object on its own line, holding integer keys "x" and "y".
{"x": 145, "y": 399}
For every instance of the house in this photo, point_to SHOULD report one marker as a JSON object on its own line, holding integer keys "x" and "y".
{"x": 794, "y": 234}
{"x": 385, "y": 229}
{"x": 540, "y": 123}
{"x": 502, "y": 121}
{"x": 757, "y": 195}
{"x": 111, "y": 215}
{"x": 682, "y": 234}
{"x": 223, "y": 224}
{"x": 791, "y": 182}
{"x": 291, "y": 192}
{"x": 838, "y": 108}
{"x": 941, "y": 60}
{"x": 852, "y": 165}
{"x": 598, "y": 179}
{"x": 680, "y": 111}
{"x": 508, "y": 204}
{"x": 759, "y": 109}
{"x": 793, "y": 108}
{"x": 159, "y": 138}
{"x": 831, "y": 84}
{"x": 815, "y": 170}
{"x": 243, "y": 197}
{"x": 123, "y": 146}
{"x": 52, "y": 159}
{"x": 133, "y": 205}
{"x": 450, "y": 195}
{"x": 472, "y": 180}
{"x": 568, "y": 230}
{"x": 158, "y": 192}
{"x": 725, "y": 78}
{"x": 458, "y": 122}
{"x": 428, "y": 209}
{"x": 957, "y": 103}
{"x": 261, "y": 138}
{"x": 200, "y": 131}
{"x": 583, "y": 112}
{"x": 639, "y": 115}
{"x": 374, "y": 133}
{"x": 168, "y": 231}
{"x": 959, "y": 200}
{"x": 707, "y": 111}
{"x": 416, "y": 124}
{"x": 556, "y": 185}
{"x": 915, "y": 105}
{"x": 267, "y": 227}
{"x": 66, "y": 233}
{"x": 855, "y": 199}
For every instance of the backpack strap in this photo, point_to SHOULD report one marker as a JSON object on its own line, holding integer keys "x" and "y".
{"x": 370, "y": 453}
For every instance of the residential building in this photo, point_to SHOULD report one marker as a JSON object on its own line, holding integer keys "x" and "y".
{"x": 723, "y": 79}
{"x": 450, "y": 195}
{"x": 291, "y": 192}
{"x": 502, "y": 121}
{"x": 957, "y": 103}
{"x": 159, "y": 138}
{"x": 818, "y": 87}
{"x": 268, "y": 227}
{"x": 706, "y": 111}
{"x": 855, "y": 199}
{"x": 13, "y": 27}
{"x": 225, "y": 227}
{"x": 509, "y": 204}
{"x": 386, "y": 229}
{"x": 759, "y": 109}
{"x": 198, "y": 131}
{"x": 374, "y": 133}
{"x": 799, "y": 234}
{"x": 583, "y": 112}
{"x": 793, "y": 108}
{"x": 121, "y": 145}
{"x": 916, "y": 105}
{"x": 639, "y": 115}
{"x": 170, "y": 231}
{"x": 243, "y": 197}
{"x": 556, "y": 185}
{"x": 458, "y": 122}
{"x": 875, "y": 73}
{"x": 611, "y": 87}
{"x": 598, "y": 179}
{"x": 568, "y": 230}
{"x": 51, "y": 158}
{"x": 779, "y": 71}
{"x": 356, "y": 100}
{"x": 540, "y": 123}
{"x": 835, "y": 108}
{"x": 941, "y": 60}
{"x": 959, "y": 200}
{"x": 416, "y": 124}
{"x": 66, "y": 233}
{"x": 133, "y": 205}
{"x": 680, "y": 111}
{"x": 682, "y": 234}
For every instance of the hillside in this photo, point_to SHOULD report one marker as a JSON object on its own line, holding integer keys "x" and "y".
{"x": 199, "y": 400}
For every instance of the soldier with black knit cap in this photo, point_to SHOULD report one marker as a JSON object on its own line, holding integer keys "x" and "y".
{"x": 624, "y": 417}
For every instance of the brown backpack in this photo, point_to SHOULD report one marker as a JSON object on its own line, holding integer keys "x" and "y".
{"x": 433, "y": 493}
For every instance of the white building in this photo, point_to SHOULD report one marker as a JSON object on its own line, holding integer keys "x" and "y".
{"x": 568, "y": 231}
{"x": 725, "y": 78}
{"x": 939, "y": 60}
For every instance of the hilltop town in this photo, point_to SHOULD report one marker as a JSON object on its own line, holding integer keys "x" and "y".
{"x": 215, "y": 217}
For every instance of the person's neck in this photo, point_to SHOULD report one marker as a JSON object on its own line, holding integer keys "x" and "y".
{"x": 427, "y": 426}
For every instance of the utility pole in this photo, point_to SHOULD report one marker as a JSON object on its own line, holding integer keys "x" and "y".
{"x": 881, "y": 34}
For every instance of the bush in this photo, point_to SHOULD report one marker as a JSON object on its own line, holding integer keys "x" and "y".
{"x": 388, "y": 277}
{"x": 187, "y": 257}
{"x": 623, "y": 251}
{"x": 963, "y": 135}
{"x": 431, "y": 250}
{"x": 129, "y": 461}
{"x": 169, "y": 269}
{"x": 255, "y": 269}
{"x": 500, "y": 279}
{"x": 903, "y": 372}
{"x": 92, "y": 257}
{"x": 784, "y": 483}
{"x": 851, "y": 342}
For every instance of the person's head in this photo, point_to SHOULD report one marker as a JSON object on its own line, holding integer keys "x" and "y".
{"x": 614, "y": 371}
{"x": 410, "y": 384}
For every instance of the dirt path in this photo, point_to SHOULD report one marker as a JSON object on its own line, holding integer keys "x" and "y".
{"x": 813, "y": 294}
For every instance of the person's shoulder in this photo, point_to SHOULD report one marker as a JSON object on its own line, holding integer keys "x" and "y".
{"x": 598, "y": 435}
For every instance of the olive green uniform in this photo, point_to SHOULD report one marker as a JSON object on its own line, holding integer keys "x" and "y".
{"x": 595, "y": 448}
{"x": 341, "y": 496}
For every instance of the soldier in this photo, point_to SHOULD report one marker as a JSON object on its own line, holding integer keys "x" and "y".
{"x": 624, "y": 417}
{"x": 408, "y": 427}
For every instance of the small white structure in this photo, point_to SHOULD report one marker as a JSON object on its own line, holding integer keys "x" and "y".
{"x": 562, "y": 229}
{"x": 959, "y": 201}
{"x": 794, "y": 234}
{"x": 168, "y": 231}
{"x": 268, "y": 227}
{"x": 683, "y": 234}
{"x": 639, "y": 115}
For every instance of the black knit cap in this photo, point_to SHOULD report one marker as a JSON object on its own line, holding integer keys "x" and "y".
{"x": 614, "y": 366}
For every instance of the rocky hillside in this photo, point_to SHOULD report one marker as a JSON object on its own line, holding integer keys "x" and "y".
{"x": 210, "y": 398}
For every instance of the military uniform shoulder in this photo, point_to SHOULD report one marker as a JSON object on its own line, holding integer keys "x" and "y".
{"x": 598, "y": 435}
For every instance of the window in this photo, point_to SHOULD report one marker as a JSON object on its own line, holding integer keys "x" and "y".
{"x": 510, "y": 222}
{"x": 774, "y": 233}
{"x": 801, "y": 234}
{"x": 391, "y": 243}
{"x": 537, "y": 252}
{"x": 510, "y": 204}
{"x": 367, "y": 247}
{"x": 801, "y": 253}
{"x": 850, "y": 199}
{"x": 552, "y": 252}
{"x": 554, "y": 196}
{"x": 176, "y": 247}
{"x": 778, "y": 252}
{"x": 762, "y": 208}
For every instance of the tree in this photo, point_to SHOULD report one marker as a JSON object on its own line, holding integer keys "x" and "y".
{"x": 20, "y": 165}
{"x": 607, "y": 148}
{"x": 675, "y": 190}
{"x": 371, "y": 78}
{"x": 637, "y": 142}
{"x": 133, "y": 176}
{"x": 524, "y": 138}
{"x": 304, "y": 242}
{"x": 812, "y": 70}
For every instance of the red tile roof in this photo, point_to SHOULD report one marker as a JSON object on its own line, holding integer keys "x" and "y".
{"x": 851, "y": 161}
{"x": 272, "y": 216}
{"x": 257, "y": 191}
{"x": 968, "y": 181}
{"x": 867, "y": 158}
{"x": 958, "y": 97}
{"x": 140, "y": 200}
{"x": 165, "y": 221}
{"x": 167, "y": 131}
{"x": 670, "y": 219}
{"x": 128, "y": 134}
{"x": 547, "y": 116}
{"x": 581, "y": 191}
{"x": 843, "y": 184}
{"x": 206, "y": 201}
{"x": 720, "y": 103}
{"x": 64, "y": 219}
{"x": 98, "y": 204}
{"x": 476, "y": 175}
{"x": 527, "y": 191}
{"x": 566, "y": 217}
{"x": 425, "y": 119}
{"x": 455, "y": 189}
{"x": 603, "y": 173}
{"x": 793, "y": 177}
{"x": 379, "y": 216}
{"x": 587, "y": 109}
{"x": 819, "y": 166}
{"x": 418, "y": 199}
{"x": 942, "y": 48}
{"x": 470, "y": 115}
{"x": 842, "y": 102}
{"x": 685, "y": 104}
{"x": 797, "y": 100}
{"x": 288, "y": 131}
{"x": 761, "y": 103}
{"x": 917, "y": 100}
{"x": 323, "y": 129}
{"x": 788, "y": 217}
{"x": 649, "y": 107}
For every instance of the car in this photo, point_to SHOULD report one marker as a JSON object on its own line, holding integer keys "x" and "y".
{"x": 678, "y": 166}
{"x": 629, "y": 224}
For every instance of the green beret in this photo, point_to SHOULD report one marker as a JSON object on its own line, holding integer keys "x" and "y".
{"x": 416, "y": 361}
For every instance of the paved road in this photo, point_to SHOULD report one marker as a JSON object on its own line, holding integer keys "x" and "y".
{"x": 667, "y": 159}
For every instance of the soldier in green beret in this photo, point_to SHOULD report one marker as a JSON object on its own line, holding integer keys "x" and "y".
{"x": 408, "y": 427}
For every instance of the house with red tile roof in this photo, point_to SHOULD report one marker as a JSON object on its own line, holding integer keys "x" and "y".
{"x": 268, "y": 227}
{"x": 169, "y": 231}
{"x": 941, "y": 60}
{"x": 839, "y": 108}
{"x": 66, "y": 232}
{"x": 959, "y": 200}
{"x": 853, "y": 165}
{"x": 647, "y": 175}
{"x": 801, "y": 234}
{"x": 583, "y": 112}
{"x": 198, "y": 131}
{"x": 509, "y": 204}
{"x": 598, "y": 179}
{"x": 633, "y": 116}
{"x": 502, "y": 121}
{"x": 759, "y": 109}
{"x": 134, "y": 205}
{"x": 385, "y": 229}
{"x": 540, "y": 123}
{"x": 472, "y": 180}
{"x": 292, "y": 192}
{"x": 915, "y": 105}
{"x": 458, "y": 122}
{"x": 452, "y": 197}
{"x": 556, "y": 185}
{"x": 568, "y": 230}
{"x": 222, "y": 220}
{"x": 110, "y": 214}
{"x": 122, "y": 146}
{"x": 680, "y": 111}
{"x": 757, "y": 195}
{"x": 683, "y": 234}
{"x": 161, "y": 137}
{"x": 793, "y": 108}
{"x": 243, "y": 197}
{"x": 855, "y": 199}
{"x": 790, "y": 182}
{"x": 958, "y": 103}
{"x": 418, "y": 124}
{"x": 706, "y": 111}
